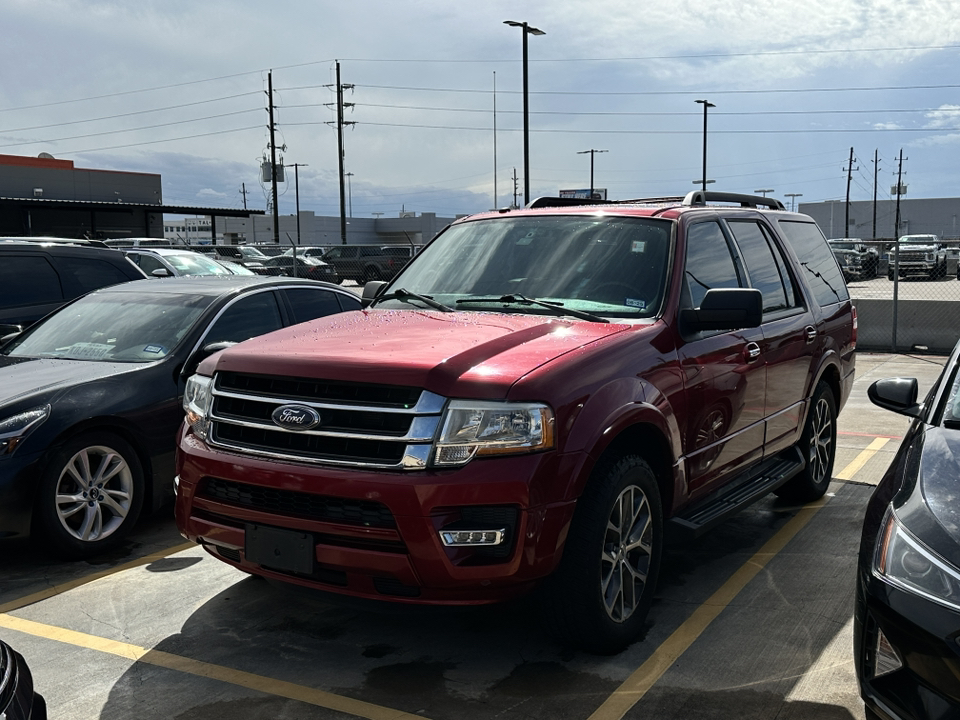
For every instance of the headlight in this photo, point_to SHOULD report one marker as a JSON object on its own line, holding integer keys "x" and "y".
{"x": 16, "y": 427}
{"x": 929, "y": 257}
{"x": 902, "y": 560}
{"x": 473, "y": 427}
{"x": 197, "y": 399}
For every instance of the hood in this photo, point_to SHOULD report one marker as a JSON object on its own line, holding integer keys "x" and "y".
{"x": 21, "y": 377}
{"x": 939, "y": 477}
{"x": 463, "y": 353}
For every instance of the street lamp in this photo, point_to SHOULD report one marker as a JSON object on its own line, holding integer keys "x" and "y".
{"x": 592, "y": 153}
{"x": 793, "y": 199}
{"x": 350, "y": 191}
{"x": 296, "y": 184}
{"x": 527, "y": 30}
{"x": 764, "y": 192}
{"x": 705, "y": 106}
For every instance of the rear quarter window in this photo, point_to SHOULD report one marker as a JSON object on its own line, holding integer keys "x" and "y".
{"x": 818, "y": 265}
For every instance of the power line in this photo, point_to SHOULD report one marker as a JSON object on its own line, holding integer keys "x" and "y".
{"x": 156, "y": 142}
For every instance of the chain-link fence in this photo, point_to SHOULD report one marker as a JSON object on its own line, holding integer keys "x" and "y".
{"x": 907, "y": 292}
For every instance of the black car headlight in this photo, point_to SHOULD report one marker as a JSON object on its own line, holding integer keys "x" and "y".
{"x": 902, "y": 560}
{"x": 15, "y": 428}
{"x": 197, "y": 401}
{"x": 474, "y": 427}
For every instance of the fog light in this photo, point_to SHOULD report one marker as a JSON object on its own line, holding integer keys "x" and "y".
{"x": 458, "y": 538}
{"x": 886, "y": 660}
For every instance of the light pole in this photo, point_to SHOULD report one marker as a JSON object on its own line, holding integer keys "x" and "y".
{"x": 706, "y": 105}
{"x": 592, "y": 152}
{"x": 350, "y": 191}
{"x": 296, "y": 185}
{"x": 527, "y": 30}
{"x": 764, "y": 191}
{"x": 793, "y": 200}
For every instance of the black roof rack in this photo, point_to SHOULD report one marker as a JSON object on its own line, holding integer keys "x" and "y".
{"x": 699, "y": 197}
{"x": 544, "y": 202}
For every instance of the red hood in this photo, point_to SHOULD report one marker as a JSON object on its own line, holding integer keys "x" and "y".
{"x": 465, "y": 354}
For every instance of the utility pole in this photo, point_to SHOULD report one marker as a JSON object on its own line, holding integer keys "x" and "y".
{"x": 296, "y": 184}
{"x": 273, "y": 162}
{"x": 876, "y": 166}
{"x": 494, "y": 139}
{"x": 515, "y": 187}
{"x": 243, "y": 191}
{"x": 850, "y": 168}
{"x": 340, "y": 123}
{"x": 896, "y": 255}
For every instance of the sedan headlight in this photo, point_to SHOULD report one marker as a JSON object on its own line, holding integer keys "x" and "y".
{"x": 472, "y": 427}
{"x": 197, "y": 400}
{"x": 903, "y": 561}
{"x": 15, "y": 428}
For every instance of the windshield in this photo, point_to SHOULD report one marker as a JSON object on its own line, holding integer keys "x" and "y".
{"x": 250, "y": 252}
{"x": 612, "y": 266}
{"x": 113, "y": 327}
{"x": 843, "y": 245}
{"x": 918, "y": 240}
{"x": 195, "y": 264}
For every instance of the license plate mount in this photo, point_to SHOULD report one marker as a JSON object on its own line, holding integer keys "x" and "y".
{"x": 280, "y": 549}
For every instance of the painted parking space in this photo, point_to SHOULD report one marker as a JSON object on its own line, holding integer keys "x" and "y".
{"x": 754, "y": 617}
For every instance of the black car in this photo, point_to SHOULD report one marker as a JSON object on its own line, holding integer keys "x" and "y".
{"x": 90, "y": 396}
{"x": 18, "y": 701}
{"x": 38, "y": 277}
{"x": 907, "y": 617}
{"x": 308, "y": 267}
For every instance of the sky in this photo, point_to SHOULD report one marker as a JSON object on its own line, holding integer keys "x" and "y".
{"x": 179, "y": 88}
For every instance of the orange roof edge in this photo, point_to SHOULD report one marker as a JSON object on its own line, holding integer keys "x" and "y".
{"x": 22, "y": 161}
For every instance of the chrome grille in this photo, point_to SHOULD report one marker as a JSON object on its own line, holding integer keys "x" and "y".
{"x": 366, "y": 425}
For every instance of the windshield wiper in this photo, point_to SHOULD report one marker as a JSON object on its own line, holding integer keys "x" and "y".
{"x": 517, "y": 299}
{"x": 405, "y": 295}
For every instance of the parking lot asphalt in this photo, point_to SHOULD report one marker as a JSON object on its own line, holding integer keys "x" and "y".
{"x": 752, "y": 620}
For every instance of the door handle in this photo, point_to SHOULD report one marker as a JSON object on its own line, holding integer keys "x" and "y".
{"x": 811, "y": 333}
{"x": 752, "y": 351}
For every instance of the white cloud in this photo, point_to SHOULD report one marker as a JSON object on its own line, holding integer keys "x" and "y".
{"x": 946, "y": 116}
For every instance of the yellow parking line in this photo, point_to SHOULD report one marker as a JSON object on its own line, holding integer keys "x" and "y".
{"x": 159, "y": 658}
{"x": 643, "y": 678}
{"x": 72, "y": 584}
{"x": 860, "y": 460}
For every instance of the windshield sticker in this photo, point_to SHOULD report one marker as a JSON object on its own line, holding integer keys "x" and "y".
{"x": 154, "y": 348}
{"x": 631, "y": 302}
{"x": 639, "y": 246}
{"x": 87, "y": 351}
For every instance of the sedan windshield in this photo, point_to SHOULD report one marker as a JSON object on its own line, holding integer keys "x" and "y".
{"x": 113, "y": 327}
{"x": 195, "y": 264}
{"x": 611, "y": 266}
{"x": 951, "y": 413}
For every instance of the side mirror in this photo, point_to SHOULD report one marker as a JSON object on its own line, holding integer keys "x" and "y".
{"x": 202, "y": 354}
{"x": 896, "y": 394}
{"x": 725, "y": 309}
{"x": 7, "y": 329}
{"x": 161, "y": 272}
{"x": 371, "y": 290}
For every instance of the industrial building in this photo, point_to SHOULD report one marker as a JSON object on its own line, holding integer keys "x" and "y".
{"x": 917, "y": 216}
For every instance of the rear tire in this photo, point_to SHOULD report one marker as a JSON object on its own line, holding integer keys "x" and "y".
{"x": 819, "y": 447}
{"x": 599, "y": 596}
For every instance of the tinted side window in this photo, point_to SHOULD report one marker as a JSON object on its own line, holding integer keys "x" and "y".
{"x": 26, "y": 280}
{"x": 348, "y": 302}
{"x": 246, "y": 318}
{"x": 309, "y": 304}
{"x": 818, "y": 264}
{"x": 148, "y": 263}
{"x": 369, "y": 251}
{"x": 761, "y": 266}
{"x": 709, "y": 263}
{"x": 81, "y": 275}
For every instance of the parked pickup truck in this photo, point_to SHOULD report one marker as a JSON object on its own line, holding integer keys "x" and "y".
{"x": 856, "y": 260}
{"x": 539, "y": 402}
{"x": 362, "y": 263}
{"x": 918, "y": 255}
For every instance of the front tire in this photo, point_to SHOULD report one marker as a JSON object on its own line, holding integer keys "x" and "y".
{"x": 599, "y": 596}
{"x": 819, "y": 447}
{"x": 91, "y": 492}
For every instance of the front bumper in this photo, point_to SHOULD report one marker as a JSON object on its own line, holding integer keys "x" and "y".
{"x": 19, "y": 478}
{"x": 926, "y": 637}
{"x": 382, "y": 539}
{"x": 914, "y": 268}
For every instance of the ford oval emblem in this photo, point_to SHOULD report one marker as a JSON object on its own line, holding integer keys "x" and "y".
{"x": 295, "y": 417}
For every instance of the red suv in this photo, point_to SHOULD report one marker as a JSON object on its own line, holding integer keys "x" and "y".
{"x": 541, "y": 399}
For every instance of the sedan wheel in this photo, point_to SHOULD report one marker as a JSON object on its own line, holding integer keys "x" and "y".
{"x": 91, "y": 495}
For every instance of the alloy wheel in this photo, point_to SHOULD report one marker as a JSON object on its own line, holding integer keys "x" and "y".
{"x": 821, "y": 440}
{"x": 627, "y": 553}
{"x": 94, "y": 493}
